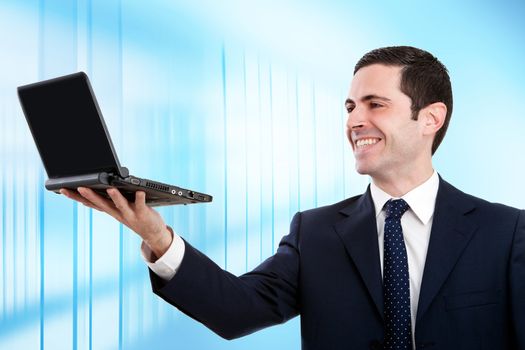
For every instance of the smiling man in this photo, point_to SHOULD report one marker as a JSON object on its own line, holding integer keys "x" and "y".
{"x": 411, "y": 263}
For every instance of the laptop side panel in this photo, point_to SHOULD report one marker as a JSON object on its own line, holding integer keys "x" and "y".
{"x": 158, "y": 193}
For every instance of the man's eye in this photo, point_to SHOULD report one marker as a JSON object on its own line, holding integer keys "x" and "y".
{"x": 375, "y": 105}
{"x": 349, "y": 108}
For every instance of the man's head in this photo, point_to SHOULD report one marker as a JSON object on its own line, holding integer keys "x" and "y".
{"x": 399, "y": 107}
{"x": 423, "y": 78}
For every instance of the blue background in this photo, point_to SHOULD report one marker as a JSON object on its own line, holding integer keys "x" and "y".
{"x": 239, "y": 99}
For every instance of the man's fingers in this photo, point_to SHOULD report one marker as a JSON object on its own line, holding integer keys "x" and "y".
{"x": 140, "y": 200}
{"x": 75, "y": 196}
{"x": 104, "y": 204}
{"x": 121, "y": 203}
{"x": 137, "y": 215}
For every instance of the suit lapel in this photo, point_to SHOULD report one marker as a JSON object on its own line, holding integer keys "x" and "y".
{"x": 359, "y": 235}
{"x": 450, "y": 234}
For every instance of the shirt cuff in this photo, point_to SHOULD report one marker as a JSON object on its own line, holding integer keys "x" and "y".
{"x": 167, "y": 265}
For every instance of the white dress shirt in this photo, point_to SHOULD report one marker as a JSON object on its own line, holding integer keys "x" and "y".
{"x": 167, "y": 265}
{"x": 416, "y": 224}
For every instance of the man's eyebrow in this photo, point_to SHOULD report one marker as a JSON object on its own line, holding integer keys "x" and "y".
{"x": 368, "y": 98}
{"x": 375, "y": 97}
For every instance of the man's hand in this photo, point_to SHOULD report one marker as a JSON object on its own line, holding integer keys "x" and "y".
{"x": 140, "y": 218}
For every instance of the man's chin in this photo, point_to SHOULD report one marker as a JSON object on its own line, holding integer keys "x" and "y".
{"x": 362, "y": 170}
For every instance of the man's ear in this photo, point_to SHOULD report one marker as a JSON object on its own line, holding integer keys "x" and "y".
{"x": 433, "y": 117}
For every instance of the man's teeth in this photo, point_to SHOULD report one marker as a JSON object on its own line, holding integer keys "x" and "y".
{"x": 365, "y": 142}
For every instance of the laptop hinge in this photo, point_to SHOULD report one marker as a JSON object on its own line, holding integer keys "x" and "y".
{"x": 123, "y": 172}
{"x": 96, "y": 180}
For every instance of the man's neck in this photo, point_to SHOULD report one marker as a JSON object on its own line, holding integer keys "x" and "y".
{"x": 399, "y": 185}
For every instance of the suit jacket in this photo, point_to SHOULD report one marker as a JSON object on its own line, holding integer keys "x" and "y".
{"x": 327, "y": 270}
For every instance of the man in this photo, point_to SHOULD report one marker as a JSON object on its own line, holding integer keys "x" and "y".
{"x": 411, "y": 263}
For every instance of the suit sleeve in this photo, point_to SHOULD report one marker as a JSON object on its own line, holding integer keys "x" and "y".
{"x": 236, "y": 306}
{"x": 517, "y": 281}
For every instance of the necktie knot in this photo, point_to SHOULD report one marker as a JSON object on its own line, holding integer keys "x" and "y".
{"x": 395, "y": 208}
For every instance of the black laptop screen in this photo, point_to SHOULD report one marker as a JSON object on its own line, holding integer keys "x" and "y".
{"x": 67, "y": 128}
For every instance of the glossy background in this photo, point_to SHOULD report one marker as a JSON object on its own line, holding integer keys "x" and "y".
{"x": 239, "y": 99}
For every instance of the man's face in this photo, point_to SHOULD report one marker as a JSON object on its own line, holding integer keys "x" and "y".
{"x": 385, "y": 139}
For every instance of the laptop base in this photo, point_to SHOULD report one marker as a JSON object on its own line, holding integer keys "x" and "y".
{"x": 157, "y": 193}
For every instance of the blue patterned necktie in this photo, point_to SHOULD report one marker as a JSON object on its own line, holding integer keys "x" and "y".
{"x": 396, "y": 287}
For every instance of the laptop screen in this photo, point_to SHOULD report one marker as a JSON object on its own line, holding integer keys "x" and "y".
{"x": 67, "y": 127}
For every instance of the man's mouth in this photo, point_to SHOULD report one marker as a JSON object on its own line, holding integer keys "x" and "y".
{"x": 362, "y": 143}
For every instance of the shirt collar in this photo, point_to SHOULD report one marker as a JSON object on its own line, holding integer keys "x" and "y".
{"x": 421, "y": 199}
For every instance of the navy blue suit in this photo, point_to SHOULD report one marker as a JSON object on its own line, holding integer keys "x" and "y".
{"x": 327, "y": 270}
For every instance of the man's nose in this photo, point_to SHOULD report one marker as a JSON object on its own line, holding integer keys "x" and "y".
{"x": 356, "y": 119}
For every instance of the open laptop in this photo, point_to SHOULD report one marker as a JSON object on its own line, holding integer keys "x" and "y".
{"x": 75, "y": 146}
